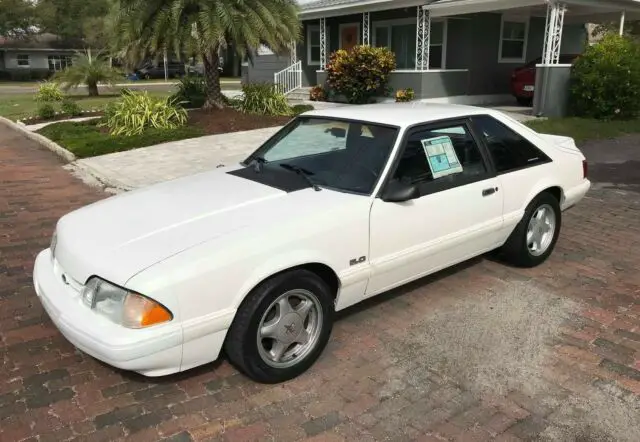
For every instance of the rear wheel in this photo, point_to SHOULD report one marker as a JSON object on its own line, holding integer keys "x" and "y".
{"x": 282, "y": 327}
{"x": 535, "y": 236}
{"x": 524, "y": 101}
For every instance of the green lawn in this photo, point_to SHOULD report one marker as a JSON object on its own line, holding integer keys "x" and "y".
{"x": 583, "y": 129}
{"x": 87, "y": 139}
{"x": 20, "y": 106}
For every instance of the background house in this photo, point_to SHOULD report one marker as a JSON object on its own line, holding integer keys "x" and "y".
{"x": 461, "y": 51}
{"x": 36, "y": 57}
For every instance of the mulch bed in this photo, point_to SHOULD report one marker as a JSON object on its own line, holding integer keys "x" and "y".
{"x": 229, "y": 120}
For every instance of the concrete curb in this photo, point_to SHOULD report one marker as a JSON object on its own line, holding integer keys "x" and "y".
{"x": 42, "y": 140}
{"x": 94, "y": 177}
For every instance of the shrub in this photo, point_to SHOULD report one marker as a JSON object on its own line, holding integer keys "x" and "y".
{"x": 48, "y": 92}
{"x": 70, "y": 107}
{"x": 404, "y": 95}
{"x": 605, "y": 80}
{"x": 46, "y": 111}
{"x": 262, "y": 99}
{"x": 317, "y": 93}
{"x": 137, "y": 111}
{"x": 86, "y": 139}
{"x": 361, "y": 73}
{"x": 191, "y": 89}
{"x": 301, "y": 108}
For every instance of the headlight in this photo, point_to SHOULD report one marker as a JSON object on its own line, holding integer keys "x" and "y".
{"x": 123, "y": 307}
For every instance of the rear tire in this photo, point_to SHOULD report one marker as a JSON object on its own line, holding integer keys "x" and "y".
{"x": 274, "y": 338}
{"x": 535, "y": 236}
{"x": 525, "y": 101}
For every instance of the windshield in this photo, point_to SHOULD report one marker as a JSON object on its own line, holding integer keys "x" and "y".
{"x": 337, "y": 154}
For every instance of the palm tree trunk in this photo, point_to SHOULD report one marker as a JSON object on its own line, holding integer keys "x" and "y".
{"x": 214, "y": 98}
{"x": 93, "y": 89}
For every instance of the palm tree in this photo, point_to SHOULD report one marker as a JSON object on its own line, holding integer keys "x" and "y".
{"x": 152, "y": 27}
{"x": 90, "y": 70}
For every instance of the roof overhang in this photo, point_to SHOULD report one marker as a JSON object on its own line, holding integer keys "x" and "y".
{"x": 358, "y": 8}
{"x": 447, "y": 8}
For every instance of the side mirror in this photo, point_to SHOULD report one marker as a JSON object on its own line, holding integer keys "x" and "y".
{"x": 398, "y": 192}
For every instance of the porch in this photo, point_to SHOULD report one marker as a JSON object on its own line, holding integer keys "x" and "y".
{"x": 459, "y": 51}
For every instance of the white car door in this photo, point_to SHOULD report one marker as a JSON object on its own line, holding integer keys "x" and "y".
{"x": 456, "y": 214}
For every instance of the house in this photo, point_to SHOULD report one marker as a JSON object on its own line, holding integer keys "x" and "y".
{"x": 35, "y": 57}
{"x": 458, "y": 51}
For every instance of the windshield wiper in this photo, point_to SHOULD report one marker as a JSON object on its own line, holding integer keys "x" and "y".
{"x": 257, "y": 163}
{"x": 304, "y": 173}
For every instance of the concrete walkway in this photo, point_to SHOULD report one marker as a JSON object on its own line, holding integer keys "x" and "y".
{"x": 150, "y": 165}
{"x": 142, "y": 167}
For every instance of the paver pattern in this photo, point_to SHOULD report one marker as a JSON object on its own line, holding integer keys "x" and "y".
{"x": 481, "y": 352}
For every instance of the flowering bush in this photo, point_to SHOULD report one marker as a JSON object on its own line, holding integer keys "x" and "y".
{"x": 361, "y": 73}
{"x": 317, "y": 93}
{"x": 605, "y": 80}
{"x": 404, "y": 95}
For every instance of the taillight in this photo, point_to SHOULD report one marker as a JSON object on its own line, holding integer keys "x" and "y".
{"x": 585, "y": 169}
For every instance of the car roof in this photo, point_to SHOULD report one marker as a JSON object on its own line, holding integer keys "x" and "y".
{"x": 399, "y": 114}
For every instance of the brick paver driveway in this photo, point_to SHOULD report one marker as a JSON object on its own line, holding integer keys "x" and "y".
{"x": 480, "y": 352}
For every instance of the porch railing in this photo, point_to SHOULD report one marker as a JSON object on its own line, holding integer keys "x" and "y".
{"x": 289, "y": 79}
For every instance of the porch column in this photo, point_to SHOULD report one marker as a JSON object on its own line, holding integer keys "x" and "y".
{"x": 323, "y": 43}
{"x": 551, "y": 95}
{"x": 622, "y": 18}
{"x": 553, "y": 33}
{"x": 423, "y": 37}
{"x": 365, "y": 29}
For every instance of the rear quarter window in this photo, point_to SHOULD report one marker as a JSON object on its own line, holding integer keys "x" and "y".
{"x": 509, "y": 150}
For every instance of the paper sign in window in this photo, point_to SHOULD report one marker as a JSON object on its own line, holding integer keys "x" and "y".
{"x": 441, "y": 156}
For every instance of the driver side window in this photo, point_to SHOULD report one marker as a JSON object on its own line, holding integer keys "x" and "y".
{"x": 445, "y": 155}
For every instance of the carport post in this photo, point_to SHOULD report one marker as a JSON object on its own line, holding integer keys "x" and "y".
{"x": 423, "y": 37}
{"x": 622, "y": 17}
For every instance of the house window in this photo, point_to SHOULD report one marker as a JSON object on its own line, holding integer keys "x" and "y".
{"x": 313, "y": 44}
{"x": 400, "y": 37}
{"x": 514, "y": 34}
{"x": 59, "y": 62}
{"x": 23, "y": 60}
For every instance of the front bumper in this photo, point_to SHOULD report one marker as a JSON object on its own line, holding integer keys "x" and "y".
{"x": 156, "y": 351}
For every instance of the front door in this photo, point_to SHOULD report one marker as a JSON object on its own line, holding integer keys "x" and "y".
{"x": 349, "y": 36}
{"x": 458, "y": 214}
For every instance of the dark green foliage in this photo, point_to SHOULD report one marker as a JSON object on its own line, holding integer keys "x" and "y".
{"x": 262, "y": 99}
{"x": 46, "y": 111}
{"x": 87, "y": 139}
{"x": 70, "y": 107}
{"x": 605, "y": 80}
{"x": 191, "y": 91}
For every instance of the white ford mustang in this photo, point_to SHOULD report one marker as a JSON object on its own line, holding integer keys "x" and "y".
{"x": 254, "y": 259}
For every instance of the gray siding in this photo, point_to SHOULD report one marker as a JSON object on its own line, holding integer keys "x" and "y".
{"x": 473, "y": 43}
{"x": 263, "y": 68}
{"x": 432, "y": 84}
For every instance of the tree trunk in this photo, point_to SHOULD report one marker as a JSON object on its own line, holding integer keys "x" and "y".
{"x": 93, "y": 89}
{"x": 214, "y": 98}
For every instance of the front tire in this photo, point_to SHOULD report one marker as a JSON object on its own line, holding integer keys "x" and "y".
{"x": 535, "y": 236}
{"x": 282, "y": 327}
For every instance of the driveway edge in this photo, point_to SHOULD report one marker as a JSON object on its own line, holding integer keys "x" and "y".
{"x": 40, "y": 139}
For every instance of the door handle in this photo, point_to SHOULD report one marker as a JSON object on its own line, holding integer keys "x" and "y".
{"x": 489, "y": 191}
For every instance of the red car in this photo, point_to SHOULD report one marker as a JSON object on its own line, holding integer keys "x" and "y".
{"x": 523, "y": 79}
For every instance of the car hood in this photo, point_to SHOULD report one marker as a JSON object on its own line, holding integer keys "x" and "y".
{"x": 120, "y": 236}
